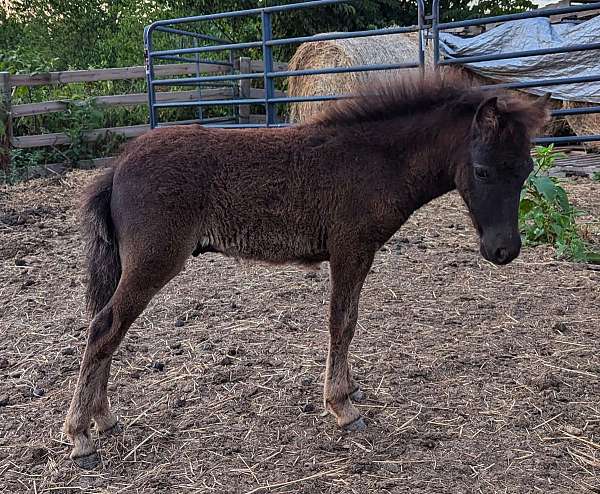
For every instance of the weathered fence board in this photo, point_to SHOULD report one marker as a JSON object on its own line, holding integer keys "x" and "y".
{"x": 60, "y": 138}
{"x": 577, "y": 164}
{"x": 45, "y": 107}
{"x": 119, "y": 100}
{"x": 128, "y": 132}
{"x": 96, "y": 75}
{"x": 258, "y": 65}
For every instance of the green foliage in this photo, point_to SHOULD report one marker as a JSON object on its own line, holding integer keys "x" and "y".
{"x": 499, "y": 7}
{"x": 81, "y": 118}
{"x": 547, "y": 217}
{"x": 456, "y": 10}
{"x": 23, "y": 61}
{"x": 596, "y": 176}
{"x": 96, "y": 33}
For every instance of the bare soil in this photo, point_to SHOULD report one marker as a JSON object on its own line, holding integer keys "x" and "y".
{"x": 477, "y": 378}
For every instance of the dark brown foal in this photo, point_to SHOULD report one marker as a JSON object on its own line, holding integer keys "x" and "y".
{"x": 334, "y": 189}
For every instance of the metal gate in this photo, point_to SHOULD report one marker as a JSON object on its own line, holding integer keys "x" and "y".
{"x": 429, "y": 28}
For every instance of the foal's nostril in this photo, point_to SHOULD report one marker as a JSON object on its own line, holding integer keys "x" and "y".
{"x": 502, "y": 255}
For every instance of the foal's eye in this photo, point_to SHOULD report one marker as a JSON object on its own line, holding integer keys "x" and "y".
{"x": 481, "y": 173}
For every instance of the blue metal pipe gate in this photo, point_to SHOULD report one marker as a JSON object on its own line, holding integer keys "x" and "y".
{"x": 429, "y": 28}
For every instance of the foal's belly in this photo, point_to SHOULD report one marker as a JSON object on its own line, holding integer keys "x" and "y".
{"x": 266, "y": 241}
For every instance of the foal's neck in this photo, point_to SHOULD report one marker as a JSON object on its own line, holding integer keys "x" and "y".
{"x": 424, "y": 150}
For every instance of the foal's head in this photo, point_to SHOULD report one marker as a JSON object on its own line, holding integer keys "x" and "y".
{"x": 490, "y": 181}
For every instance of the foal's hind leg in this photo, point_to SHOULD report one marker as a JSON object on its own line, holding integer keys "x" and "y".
{"x": 348, "y": 273}
{"x": 139, "y": 283}
{"x": 106, "y": 421}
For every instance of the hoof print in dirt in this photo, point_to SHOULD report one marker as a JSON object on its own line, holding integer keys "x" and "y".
{"x": 221, "y": 378}
{"x": 38, "y": 392}
{"x": 157, "y": 366}
{"x": 549, "y": 382}
{"x": 37, "y": 455}
{"x": 562, "y": 328}
{"x": 428, "y": 443}
{"x": 179, "y": 403}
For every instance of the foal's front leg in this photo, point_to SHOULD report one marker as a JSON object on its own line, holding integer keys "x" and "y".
{"x": 348, "y": 273}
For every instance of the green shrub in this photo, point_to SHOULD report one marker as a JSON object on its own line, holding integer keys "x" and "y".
{"x": 547, "y": 217}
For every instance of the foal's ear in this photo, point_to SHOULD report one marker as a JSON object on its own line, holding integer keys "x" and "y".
{"x": 486, "y": 119}
{"x": 543, "y": 100}
{"x": 540, "y": 114}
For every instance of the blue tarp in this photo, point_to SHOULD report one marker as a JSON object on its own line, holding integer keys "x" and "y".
{"x": 532, "y": 34}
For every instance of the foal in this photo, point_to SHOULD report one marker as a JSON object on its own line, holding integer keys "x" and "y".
{"x": 334, "y": 189}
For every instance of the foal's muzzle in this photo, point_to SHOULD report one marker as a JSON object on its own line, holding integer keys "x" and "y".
{"x": 500, "y": 252}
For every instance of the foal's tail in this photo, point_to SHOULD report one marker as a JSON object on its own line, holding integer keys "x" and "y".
{"x": 103, "y": 261}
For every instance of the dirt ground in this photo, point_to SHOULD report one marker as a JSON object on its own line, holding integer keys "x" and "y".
{"x": 477, "y": 378}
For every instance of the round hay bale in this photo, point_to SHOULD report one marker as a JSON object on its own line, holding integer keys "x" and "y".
{"x": 388, "y": 48}
{"x": 385, "y": 49}
{"x": 583, "y": 124}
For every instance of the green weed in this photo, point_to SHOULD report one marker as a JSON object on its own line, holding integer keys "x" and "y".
{"x": 547, "y": 217}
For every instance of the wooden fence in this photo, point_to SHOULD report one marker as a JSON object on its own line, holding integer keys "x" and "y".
{"x": 9, "y": 111}
{"x": 573, "y": 165}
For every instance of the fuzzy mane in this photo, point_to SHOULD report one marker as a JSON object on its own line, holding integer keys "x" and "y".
{"x": 413, "y": 95}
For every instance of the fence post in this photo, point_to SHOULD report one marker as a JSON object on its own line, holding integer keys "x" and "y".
{"x": 267, "y": 35}
{"x": 5, "y": 121}
{"x": 244, "y": 85}
{"x": 149, "y": 64}
{"x": 422, "y": 42}
{"x": 435, "y": 13}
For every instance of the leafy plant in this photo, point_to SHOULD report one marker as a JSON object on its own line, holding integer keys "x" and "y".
{"x": 547, "y": 217}
{"x": 596, "y": 176}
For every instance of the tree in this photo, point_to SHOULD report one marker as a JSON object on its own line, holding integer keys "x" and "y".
{"x": 499, "y": 7}
{"x": 97, "y": 33}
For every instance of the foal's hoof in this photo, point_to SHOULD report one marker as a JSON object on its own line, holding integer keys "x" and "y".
{"x": 356, "y": 426}
{"x": 357, "y": 395}
{"x": 115, "y": 430}
{"x": 88, "y": 462}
